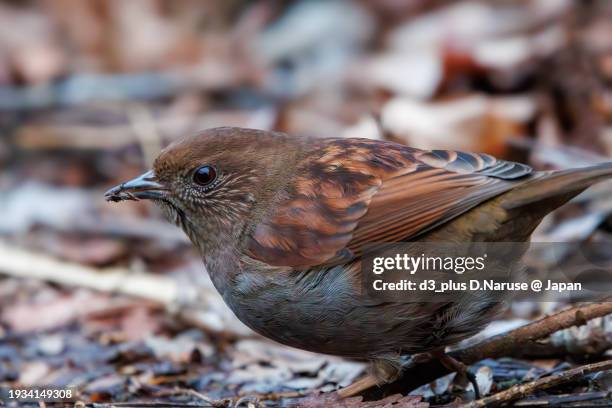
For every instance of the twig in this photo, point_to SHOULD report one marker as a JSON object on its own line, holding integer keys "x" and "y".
{"x": 426, "y": 370}
{"x": 522, "y": 390}
{"x": 178, "y": 391}
{"x": 21, "y": 263}
{"x": 557, "y": 400}
{"x": 505, "y": 344}
{"x": 184, "y": 301}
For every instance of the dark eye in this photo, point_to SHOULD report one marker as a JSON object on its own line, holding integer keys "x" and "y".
{"x": 204, "y": 175}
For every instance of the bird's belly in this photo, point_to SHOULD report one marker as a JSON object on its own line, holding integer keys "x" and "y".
{"x": 334, "y": 316}
{"x": 313, "y": 318}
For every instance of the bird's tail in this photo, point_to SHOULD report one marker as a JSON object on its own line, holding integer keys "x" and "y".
{"x": 549, "y": 190}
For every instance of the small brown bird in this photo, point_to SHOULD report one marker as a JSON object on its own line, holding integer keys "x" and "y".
{"x": 280, "y": 221}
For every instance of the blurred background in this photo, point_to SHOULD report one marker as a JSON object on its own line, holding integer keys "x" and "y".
{"x": 102, "y": 298}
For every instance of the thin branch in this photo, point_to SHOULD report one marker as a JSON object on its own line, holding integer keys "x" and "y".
{"x": 508, "y": 343}
{"x": 425, "y": 370}
{"x": 522, "y": 390}
{"x": 22, "y": 263}
{"x": 593, "y": 397}
{"x": 186, "y": 302}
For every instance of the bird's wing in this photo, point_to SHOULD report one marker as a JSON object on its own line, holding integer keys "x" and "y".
{"x": 349, "y": 192}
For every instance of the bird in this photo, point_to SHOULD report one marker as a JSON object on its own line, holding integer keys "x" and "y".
{"x": 281, "y": 223}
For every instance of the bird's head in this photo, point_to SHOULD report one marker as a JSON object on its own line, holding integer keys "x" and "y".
{"x": 210, "y": 184}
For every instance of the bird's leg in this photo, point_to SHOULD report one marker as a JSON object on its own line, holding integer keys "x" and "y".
{"x": 387, "y": 370}
{"x": 456, "y": 366}
{"x": 381, "y": 371}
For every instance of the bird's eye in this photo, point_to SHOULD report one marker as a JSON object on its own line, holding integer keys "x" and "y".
{"x": 204, "y": 175}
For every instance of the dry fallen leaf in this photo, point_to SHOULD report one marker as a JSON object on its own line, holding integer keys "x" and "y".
{"x": 51, "y": 313}
{"x": 473, "y": 123}
{"x": 262, "y": 366}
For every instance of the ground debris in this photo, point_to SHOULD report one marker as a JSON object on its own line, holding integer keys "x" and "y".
{"x": 114, "y": 302}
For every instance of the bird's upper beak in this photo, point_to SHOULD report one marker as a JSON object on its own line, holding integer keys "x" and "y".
{"x": 145, "y": 186}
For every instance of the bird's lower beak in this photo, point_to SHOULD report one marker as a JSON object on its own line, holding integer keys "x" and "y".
{"x": 144, "y": 186}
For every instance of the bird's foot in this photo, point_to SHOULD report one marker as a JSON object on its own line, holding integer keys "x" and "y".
{"x": 387, "y": 370}
{"x": 457, "y": 366}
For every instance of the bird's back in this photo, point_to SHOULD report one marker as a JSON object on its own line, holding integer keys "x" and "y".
{"x": 346, "y": 193}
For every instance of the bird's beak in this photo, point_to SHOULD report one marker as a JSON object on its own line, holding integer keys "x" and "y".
{"x": 144, "y": 186}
